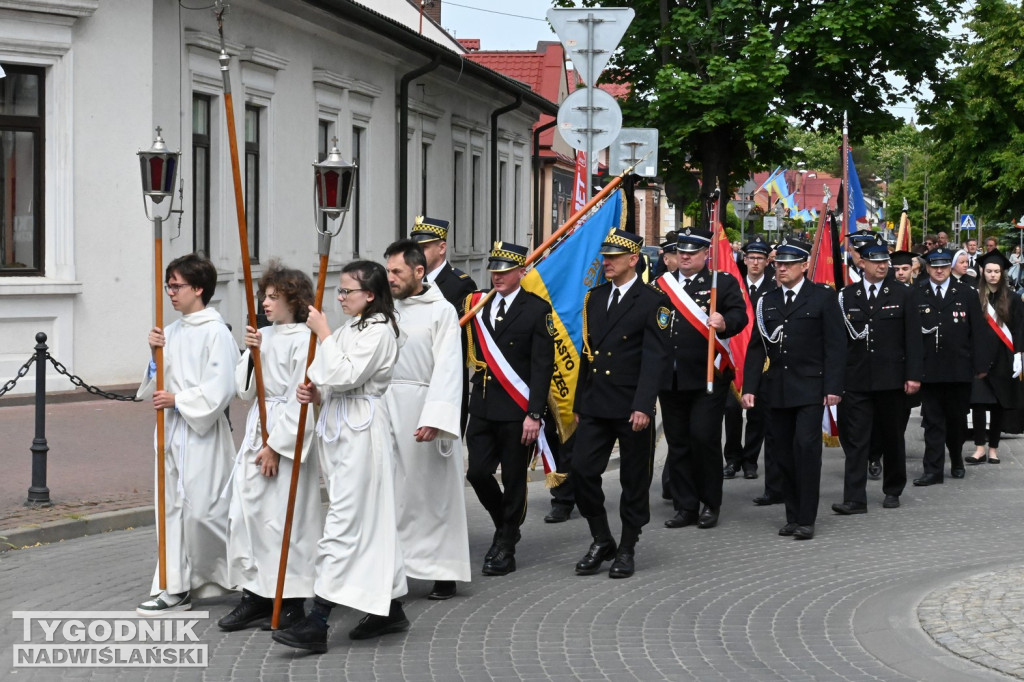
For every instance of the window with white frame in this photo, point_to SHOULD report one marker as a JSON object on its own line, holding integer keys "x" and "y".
{"x": 22, "y": 138}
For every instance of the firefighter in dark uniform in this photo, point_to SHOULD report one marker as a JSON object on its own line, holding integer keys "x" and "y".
{"x": 883, "y": 366}
{"x": 741, "y": 452}
{"x": 620, "y": 372}
{"x": 691, "y": 417}
{"x": 455, "y": 285}
{"x": 670, "y": 267}
{"x": 500, "y": 432}
{"x": 799, "y": 352}
{"x": 903, "y": 272}
{"x": 955, "y": 353}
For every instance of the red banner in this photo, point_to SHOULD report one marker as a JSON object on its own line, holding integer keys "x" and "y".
{"x": 579, "y": 191}
{"x": 725, "y": 262}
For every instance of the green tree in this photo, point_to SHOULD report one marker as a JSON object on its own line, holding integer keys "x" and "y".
{"x": 978, "y": 116}
{"x": 721, "y": 79}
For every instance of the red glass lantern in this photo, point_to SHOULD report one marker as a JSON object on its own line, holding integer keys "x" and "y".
{"x": 335, "y": 179}
{"x": 159, "y": 170}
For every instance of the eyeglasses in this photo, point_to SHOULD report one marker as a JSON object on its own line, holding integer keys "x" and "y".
{"x": 344, "y": 293}
{"x": 175, "y": 288}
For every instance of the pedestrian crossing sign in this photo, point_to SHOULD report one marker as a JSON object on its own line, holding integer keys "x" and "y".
{"x": 967, "y": 222}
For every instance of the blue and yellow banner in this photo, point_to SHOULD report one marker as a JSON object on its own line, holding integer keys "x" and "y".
{"x": 563, "y": 279}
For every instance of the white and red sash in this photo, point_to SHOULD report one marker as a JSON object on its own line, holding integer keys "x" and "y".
{"x": 696, "y": 317}
{"x": 510, "y": 381}
{"x": 1000, "y": 328}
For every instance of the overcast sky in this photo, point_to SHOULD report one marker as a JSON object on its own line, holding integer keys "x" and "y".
{"x": 519, "y": 25}
{"x": 499, "y": 25}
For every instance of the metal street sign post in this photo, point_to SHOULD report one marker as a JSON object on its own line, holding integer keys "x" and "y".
{"x": 589, "y": 37}
{"x": 629, "y": 147}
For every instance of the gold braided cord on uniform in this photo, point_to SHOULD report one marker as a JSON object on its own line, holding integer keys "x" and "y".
{"x": 622, "y": 242}
{"x": 586, "y": 330}
{"x": 472, "y": 361}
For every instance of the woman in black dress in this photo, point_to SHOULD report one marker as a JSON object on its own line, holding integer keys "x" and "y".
{"x": 1000, "y": 389}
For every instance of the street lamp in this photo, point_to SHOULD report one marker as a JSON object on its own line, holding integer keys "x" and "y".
{"x": 159, "y": 168}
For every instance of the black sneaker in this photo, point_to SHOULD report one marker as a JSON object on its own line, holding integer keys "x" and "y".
{"x": 374, "y": 626}
{"x": 309, "y": 634}
{"x": 250, "y": 611}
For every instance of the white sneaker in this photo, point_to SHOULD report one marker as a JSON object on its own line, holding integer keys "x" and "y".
{"x": 165, "y": 602}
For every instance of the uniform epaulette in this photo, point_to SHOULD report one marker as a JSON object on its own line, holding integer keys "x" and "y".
{"x": 461, "y": 274}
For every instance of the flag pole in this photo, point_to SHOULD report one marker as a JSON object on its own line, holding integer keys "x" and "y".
{"x": 714, "y": 200}
{"x": 243, "y": 233}
{"x": 904, "y": 226}
{"x": 557, "y": 234}
{"x": 847, "y": 195}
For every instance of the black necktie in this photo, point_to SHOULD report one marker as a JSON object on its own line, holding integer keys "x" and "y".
{"x": 615, "y": 299}
{"x": 753, "y": 290}
{"x": 686, "y": 281}
{"x": 938, "y": 292}
{"x": 501, "y": 313}
{"x": 789, "y": 298}
{"x": 871, "y": 293}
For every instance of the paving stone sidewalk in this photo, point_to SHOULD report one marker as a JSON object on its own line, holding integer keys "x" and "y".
{"x": 736, "y": 602}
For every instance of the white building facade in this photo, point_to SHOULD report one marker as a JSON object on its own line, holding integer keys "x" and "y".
{"x": 88, "y": 81}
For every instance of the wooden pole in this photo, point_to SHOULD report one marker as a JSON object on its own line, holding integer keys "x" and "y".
{"x": 243, "y": 236}
{"x": 557, "y": 234}
{"x": 158, "y": 359}
{"x": 282, "y": 567}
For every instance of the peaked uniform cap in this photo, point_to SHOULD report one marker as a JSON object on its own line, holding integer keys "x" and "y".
{"x": 690, "y": 241}
{"x": 429, "y": 229}
{"x": 506, "y": 256}
{"x": 619, "y": 241}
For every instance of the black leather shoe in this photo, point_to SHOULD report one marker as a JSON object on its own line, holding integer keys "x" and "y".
{"x": 502, "y": 563}
{"x": 750, "y": 474}
{"x": 959, "y": 472}
{"x": 708, "y": 518}
{"x": 874, "y": 470}
{"x": 443, "y": 589}
{"x": 788, "y": 530}
{"x": 765, "y": 500}
{"x": 803, "y": 533}
{"x": 928, "y": 479}
{"x": 847, "y": 508}
{"x": 249, "y": 612}
{"x": 682, "y": 519}
{"x": 374, "y": 626}
{"x": 494, "y": 544}
{"x": 623, "y": 566}
{"x": 598, "y": 553}
{"x": 729, "y": 471}
{"x": 309, "y": 634}
{"x": 891, "y": 502}
{"x": 558, "y": 514}
{"x": 292, "y": 614}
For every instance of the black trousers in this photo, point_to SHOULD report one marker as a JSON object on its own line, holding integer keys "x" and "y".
{"x": 492, "y": 443}
{"x": 693, "y": 430}
{"x": 995, "y": 424}
{"x": 796, "y": 433}
{"x": 944, "y": 410}
{"x": 595, "y": 437}
{"x": 742, "y": 446}
{"x": 864, "y": 419}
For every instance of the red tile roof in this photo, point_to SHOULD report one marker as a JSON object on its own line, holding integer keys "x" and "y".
{"x": 616, "y": 90}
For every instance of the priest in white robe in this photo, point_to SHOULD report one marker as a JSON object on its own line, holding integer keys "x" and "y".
{"x": 424, "y": 403}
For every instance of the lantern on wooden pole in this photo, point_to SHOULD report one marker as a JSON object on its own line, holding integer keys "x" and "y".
{"x": 159, "y": 168}
{"x": 335, "y": 180}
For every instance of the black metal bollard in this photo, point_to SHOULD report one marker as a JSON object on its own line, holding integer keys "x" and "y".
{"x": 38, "y": 493}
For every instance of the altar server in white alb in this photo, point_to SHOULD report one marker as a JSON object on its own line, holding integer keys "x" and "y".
{"x": 199, "y": 382}
{"x": 424, "y": 402}
{"x": 263, "y": 473}
{"x": 359, "y": 562}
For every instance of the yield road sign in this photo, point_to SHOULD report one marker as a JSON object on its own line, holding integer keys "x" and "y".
{"x": 590, "y": 36}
